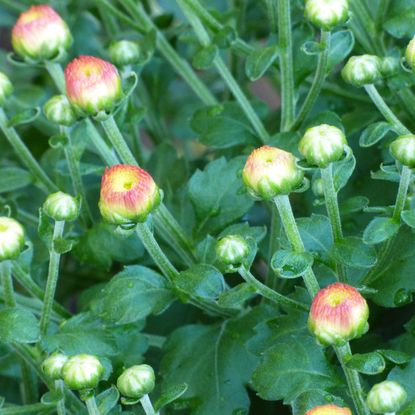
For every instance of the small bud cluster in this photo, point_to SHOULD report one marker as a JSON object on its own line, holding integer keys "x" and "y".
{"x": 270, "y": 171}
{"x": 338, "y": 314}
{"x": 128, "y": 195}
{"x": 40, "y": 34}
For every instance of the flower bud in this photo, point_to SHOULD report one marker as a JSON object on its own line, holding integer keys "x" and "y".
{"x": 60, "y": 111}
{"x": 232, "y": 249}
{"x": 317, "y": 187}
{"x": 270, "y": 172}
{"x": 403, "y": 150}
{"x": 362, "y": 70}
{"x": 322, "y": 145}
{"x": 386, "y": 397}
{"x": 92, "y": 85}
{"x": 389, "y": 66}
{"x": 128, "y": 195}
{"x": 40, "y": 34}
{"x": 52, "y": 366}
{"x": 136, "y": 381}
{"x": 326, "y": 14}
{"x": 124, "y": 53}
{"x": 6, "y": 88}
{"x": 410, "y": 54}
{"x": 338, "y": 314}
{"x": 82, "y": 371}
{"x": 61, "y": 206}
{"x": 329, "y": 410}
{"x": 11, "y": 238}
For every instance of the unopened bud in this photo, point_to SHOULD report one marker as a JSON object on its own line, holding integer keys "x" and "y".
{"x": 12, "y": 238}
{"x": 338, "y": 314}
{"x": 61, "y": 207}
{"x": 59, "y": 110}
{"x": 82, "y": 371}
{"x": 232, "y": 249}
{"x": 6, "y": 88}
{"x": 270, "y": 171}
{"x": 329, "y": 410}
{"x": 327, "y": 14}
{"x": 403, "y": 150}
{"x": 52, "y": 366}
{"x": 410, "y": 54}
{"x": 386, "y": 397}
{"x": 362, "y": 70}
{"x": 136, "y": 381}
{"x": 124, "y": 52}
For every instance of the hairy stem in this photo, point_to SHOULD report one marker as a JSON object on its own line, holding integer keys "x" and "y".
{"x": 56, "y": 73}
{"x": 147, "y": 405}
{"x": 60, "y": 405}
{"x": 26, "y": 157}
{"x": 286, "y": 64}
{"x": 7, "y": 283}
{"x": 269, "y": 293}
{"x": 318, "y": 81}
{"x": 52, "y": 280}
{"x": 91, "y": 405}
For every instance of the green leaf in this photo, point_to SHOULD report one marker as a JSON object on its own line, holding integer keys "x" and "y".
{"x": 405, "y": 377}
{"x": 342, "y": 171}
{"x": 408, "y": 216}
{"x": 353, "y": 204}
{"x": 259, "y": 61}
{"x": 223, "y": 126}
{"x": 353, "y": 252}
{"x": 217, "y": 193}
{"x": 342, "y": 43}
{"x": 368, "y": 363}
{"x": 289, "y": 264}
{"x": 107, "y": 400}
{"x": 62, "y": 246}
{"x": 25, "y": 117}
{"x": 374, "y": 133}
{"x": 214, "y": 362}
{"x": 83, "y": 333}
{"x": 395, "y": 356}
{"x": 13, "y": 178}
{"x": 400, "y": 19}
{"x": 315, "y": 397}
{"x": 236, "y": 296}
{"x": 204, "y": 58}
{"x": 135, "y": 293}
{"x": 19, "y": 326}
{"x": 201, "y": 281}
{"x": 291, "y": 367}
{"x": 170, "y": 395}
{"x": 257, "y": 233}
{"x": 379, "y": 230}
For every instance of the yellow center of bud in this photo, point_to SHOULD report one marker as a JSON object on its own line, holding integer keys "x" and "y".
{"x": 31, "y": 16}
{"x": 336, "y": 298}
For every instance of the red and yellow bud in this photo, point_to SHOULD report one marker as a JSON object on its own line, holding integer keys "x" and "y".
{"x": 92, "y": 85}
{"x": 270, "y": 171}
{"x": 40, "y": 34}
{"x": 329, "y": 410}
{"x": 128, "y": 195}
{"x": 338, "y": 314}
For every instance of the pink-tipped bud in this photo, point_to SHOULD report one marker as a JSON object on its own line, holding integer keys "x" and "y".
{"x": 128, "y": 195}
{"x": 329, "y": 410}
{"x": 92, "y": 85}
{"x": 270, "y": 171}
{"x": 338, "y": 314}
{"x": 40, "y": 34}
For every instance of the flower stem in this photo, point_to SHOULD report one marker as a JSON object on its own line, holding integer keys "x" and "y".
{"x": 147, "y": 405}
{"x": 286, "y": 64}
{"x": 25, "y": 155}
{"x": 385, "y": 110}
{"x": 291, "y": 229}
{"x": 318, "y": 81}
{"x": 56, "y": 73}
{"x": 353, "y": 380}
{"x": 60, "y": 405}
{"x": 333, "y": 212}
{"x": 91, "y": 405}
{"x": 406, "y": 175}
{"x": 271, "y": 279}
{"x": 7, "y": 283}
{"x": 52, "y": 280}
{"x": 225, "y": 73}
{"x": 36, "y": 408}
{"x": 269, "y": 293}
{"x": 117, "y": 140}
{"x": 74, "y": 171}
{"x": 33, "y": 289}
{"x": 273, "y": 14}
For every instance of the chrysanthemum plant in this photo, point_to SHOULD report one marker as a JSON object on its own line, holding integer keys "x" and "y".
{"x": 207, "y": 207}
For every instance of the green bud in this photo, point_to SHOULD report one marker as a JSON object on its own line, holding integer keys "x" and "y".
{"x": 59, "y": 110}
{"x": 362, "y": 70}
{"x": 124, "y": 52}
{"x": 232, "y": 249}
{"x": 61, "y": 206}
{"x": 410, "y": 54}
{"x": 322, "y": 145}
{"x": 12, "y": 239}
{"x": 386, "y": 397}
{"x": 326, "y": 14}
{"x": 136, "y": 381}
{"x": 82, "y": 372}
{"x": 389, "y": 66}
{"x": 270, "y": 171}
{"x": 403, "y": 150}
{"x": 6, "y": 88}
{"x": 317, "y": 187}
{"x": 52, "y": 366}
